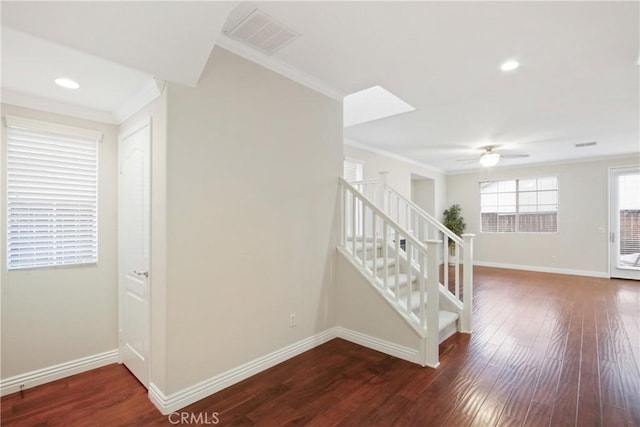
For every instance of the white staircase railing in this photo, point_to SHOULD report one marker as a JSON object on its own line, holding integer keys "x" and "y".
{"x": 379, "y": 223}
{"x": 455, "y": 253}
{"x": 372, "y": 241}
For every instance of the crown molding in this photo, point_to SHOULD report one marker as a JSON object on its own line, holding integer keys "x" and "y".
{"x": 278, "y": 66}
{"x": 548, "y": 163}
{"x": 365, "y": 147}
{"x": 39, "y": 103}
{"x": 147, "y": 93}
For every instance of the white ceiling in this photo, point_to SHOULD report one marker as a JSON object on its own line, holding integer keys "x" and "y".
{"x": 30, "y": 64}
{"x": 578, "y": 82}
{"x": 171, "y": 40}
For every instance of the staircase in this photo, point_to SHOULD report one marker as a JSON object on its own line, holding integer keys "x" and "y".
{"x": 416, "y": 264}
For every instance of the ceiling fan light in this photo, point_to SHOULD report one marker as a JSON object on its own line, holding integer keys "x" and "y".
{"x": 489, "y": 159}
{"x": 509, "y": 65}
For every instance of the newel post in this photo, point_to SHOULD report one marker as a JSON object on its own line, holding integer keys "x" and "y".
{"x": 382, "y": 194}
{"x": 432, "y": 342}
{"x": 343, "y": 223}
{"x": 467, "y": 283}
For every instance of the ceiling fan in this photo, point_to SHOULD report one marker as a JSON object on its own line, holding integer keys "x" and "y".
{"x": 490, "y": 158}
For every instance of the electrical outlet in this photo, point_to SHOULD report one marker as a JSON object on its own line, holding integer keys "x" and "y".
{"x": 292, "y": 320}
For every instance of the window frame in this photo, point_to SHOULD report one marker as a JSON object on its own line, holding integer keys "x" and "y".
{"x": 517, "y": 205}
{"x": 47, "y": 128}
{"x": 360, "y": 163}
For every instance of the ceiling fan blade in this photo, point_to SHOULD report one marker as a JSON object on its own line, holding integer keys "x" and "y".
{"x": 513, "y": 156}
{"x": 467, "y": 160}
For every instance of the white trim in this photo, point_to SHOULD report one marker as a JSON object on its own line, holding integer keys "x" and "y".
{"x": 173, "y": 402}
{"x": 176, "y": 401}
{"x": 42, "y": 126}
{"x": 278, "y": 66}
{"x": 547, "y": 163}
{"x": 150, "y": 91}
{"x": 587, "y": 273}
{"x": 613, "y": 270}
{"x": 143, "y": 123}
{"x": 56, "y": 372}
{"x": 38, "y": 103}
{"x": 401, "y": 352}
{"x": 365, "y": 147}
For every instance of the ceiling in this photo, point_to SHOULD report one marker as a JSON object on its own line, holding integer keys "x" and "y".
{"x": 578, "y": 81}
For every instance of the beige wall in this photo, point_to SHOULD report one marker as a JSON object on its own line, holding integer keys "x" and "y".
{"x": 157, "y": 112}
{"x": 580, "y": 246}
{"x": 54, "y": 315}
{"x": 400, "y": 173}
{"x": 374, "y": 316}
{"x": 252, "y": 166}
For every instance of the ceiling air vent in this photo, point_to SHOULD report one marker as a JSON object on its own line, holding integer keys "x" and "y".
{"x": 586, "y": 144}
{"x": 262, "y": 32}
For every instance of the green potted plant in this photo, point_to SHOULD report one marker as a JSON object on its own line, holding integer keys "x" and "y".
{"x": 454, "y": 221}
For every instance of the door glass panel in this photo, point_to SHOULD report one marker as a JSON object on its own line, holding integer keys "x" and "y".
{"x": 629, "y": 216}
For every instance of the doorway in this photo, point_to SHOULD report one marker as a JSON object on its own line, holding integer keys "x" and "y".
{"x": 624, "y": 222}
{"x": 423, "y": 194}
{"x": 134, "y": 182}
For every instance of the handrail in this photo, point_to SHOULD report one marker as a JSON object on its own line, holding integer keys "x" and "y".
{"x": 440, "y": 226}
{"x": 363, "y": 181}
{"x": 382, "y": 214}
{"x": 408, "y": 276}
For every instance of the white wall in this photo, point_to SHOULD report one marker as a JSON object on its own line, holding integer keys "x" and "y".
{"x": 581, "y": 244}
{"x": 157, "y": 112}
{"x": 252, "y": 166}
{"x": 400, "y": 173}
{"x": 54, "y": 315}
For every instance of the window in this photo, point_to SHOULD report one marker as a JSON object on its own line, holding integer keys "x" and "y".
{"x": 519, "y": 205}
{"x": 353, "y": 170}
{"x": 51, "y": 194}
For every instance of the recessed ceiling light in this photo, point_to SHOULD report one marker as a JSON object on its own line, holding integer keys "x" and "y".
{"x": 509, "y": 65}
{"x": 66, "y": 83}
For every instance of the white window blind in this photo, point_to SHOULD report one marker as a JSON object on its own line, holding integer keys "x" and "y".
{"x": 51, "y": 194}
{"x": 353, "y": 170}
{"x": 519, "y": 205}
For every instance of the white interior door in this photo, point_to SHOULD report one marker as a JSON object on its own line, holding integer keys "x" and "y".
{"x": 133, "y": 244}
{"x": 624, "y": 222}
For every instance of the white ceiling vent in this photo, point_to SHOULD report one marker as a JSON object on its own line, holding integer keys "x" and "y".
{"x": 262, "y": 32}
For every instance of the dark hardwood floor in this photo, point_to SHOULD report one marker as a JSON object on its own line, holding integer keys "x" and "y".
{"x": 547, "y": 350}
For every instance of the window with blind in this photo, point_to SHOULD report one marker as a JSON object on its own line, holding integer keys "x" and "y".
{"x": 353, "y": 170}
{"x": 52, "y": 190}
{"x": 519, "y": 205}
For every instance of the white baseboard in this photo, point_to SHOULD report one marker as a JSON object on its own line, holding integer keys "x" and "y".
{"x": 56, "y": 372}
{"x": 386, "y": 347}
{"x": 175, "y": 401}
{"x": 587, "y": 273}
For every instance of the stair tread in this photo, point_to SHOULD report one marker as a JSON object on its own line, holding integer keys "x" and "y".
{"x": 403, "y": 278}
{"x": 445, "y": 318}
{"x": 367, "y": 245}
{"x": 380, "y": 262}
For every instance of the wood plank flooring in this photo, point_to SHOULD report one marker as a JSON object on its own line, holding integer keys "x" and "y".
{"x": 547, "y": 350}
